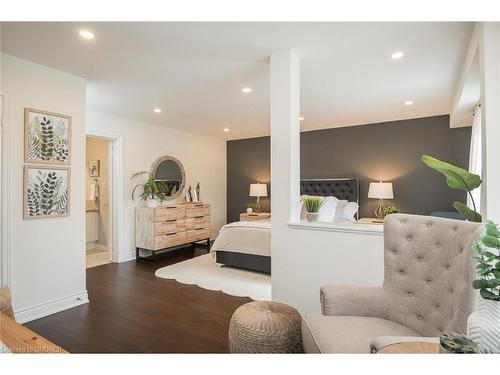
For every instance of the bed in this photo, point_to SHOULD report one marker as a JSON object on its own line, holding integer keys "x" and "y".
{"x": 247, "y": 245}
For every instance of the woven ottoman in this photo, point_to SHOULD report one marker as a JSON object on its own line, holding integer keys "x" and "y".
{"x": 265, "y": 327}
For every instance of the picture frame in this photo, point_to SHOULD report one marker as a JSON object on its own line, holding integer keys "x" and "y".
{"x": 47, "y": 137}
{"x": 94, "y": 168}
{"x": 46, "y": 192}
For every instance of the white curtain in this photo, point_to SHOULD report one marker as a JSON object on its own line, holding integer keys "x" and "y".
{"x": 475, "y": 161}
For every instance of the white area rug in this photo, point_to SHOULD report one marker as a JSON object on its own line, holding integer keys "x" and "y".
{"x": 204, "y": 272}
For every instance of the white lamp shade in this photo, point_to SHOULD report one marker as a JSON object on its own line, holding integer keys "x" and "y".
{"x": 380, "y": 190}
{"x": 258, "y": 190}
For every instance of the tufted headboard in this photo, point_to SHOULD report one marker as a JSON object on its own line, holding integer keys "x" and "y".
{"x": 341, "y": 188}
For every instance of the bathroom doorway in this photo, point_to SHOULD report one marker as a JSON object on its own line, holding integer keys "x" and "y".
{"x": 98, "y": 201}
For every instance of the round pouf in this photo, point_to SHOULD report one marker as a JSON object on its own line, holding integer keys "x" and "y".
{"x": 265, "y": 327}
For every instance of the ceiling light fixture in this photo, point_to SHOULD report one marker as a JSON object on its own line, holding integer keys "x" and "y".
{"x": 85, "y": 34}
{"x": 157, "y": 110}
{"x": 226, "y": 129}
{"x": 397, "y": 55}
{"x": 409, "y": 102}
{"x": 246, "y": 90}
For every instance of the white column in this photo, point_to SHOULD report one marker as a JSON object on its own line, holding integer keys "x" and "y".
{"x": 285, "y": 138}
{"x": 489, "y": 53}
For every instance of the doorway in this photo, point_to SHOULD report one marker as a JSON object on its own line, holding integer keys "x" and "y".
{"x": 98, "y": 208}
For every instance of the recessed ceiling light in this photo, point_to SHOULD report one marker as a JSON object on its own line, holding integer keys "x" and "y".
{"x": 397, "y": 55}
{"x": 157, "y": 110}
{"x": 246, "y": 90}
{"x": 409, "y": 102}
{"x": 85, "y": 34}
{"x": 226, "y": 129}
{"x": 301, "y": 118}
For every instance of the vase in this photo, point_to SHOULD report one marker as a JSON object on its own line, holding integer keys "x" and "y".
{"x": 152, "y": 202}
{"x": 312, "y": 217}
{"x": 249, "y": 210}
{"x": 483, "y": 325}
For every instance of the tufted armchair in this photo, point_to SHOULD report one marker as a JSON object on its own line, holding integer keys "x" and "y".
{"x": 426, "y": 291}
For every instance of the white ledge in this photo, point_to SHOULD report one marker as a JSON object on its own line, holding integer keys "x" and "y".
{"x": 373, "y": 229}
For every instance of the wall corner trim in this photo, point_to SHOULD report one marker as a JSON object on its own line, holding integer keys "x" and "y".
{"x": 41, "y": 310}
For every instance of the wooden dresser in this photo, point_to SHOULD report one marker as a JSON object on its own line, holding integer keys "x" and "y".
{"x": 164, "y": 227}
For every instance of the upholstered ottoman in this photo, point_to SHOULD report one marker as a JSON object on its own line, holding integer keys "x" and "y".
{"x": 265, "y": 327}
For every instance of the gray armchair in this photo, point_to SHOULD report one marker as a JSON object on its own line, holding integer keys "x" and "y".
{"x": 426, "y": 291}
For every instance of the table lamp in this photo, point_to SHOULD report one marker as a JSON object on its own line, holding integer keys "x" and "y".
{"x": 380, "y": 190}
{"x": 258, "y": 190}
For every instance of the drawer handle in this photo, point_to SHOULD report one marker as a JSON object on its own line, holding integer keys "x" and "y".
{"x": 171, "y": 234}
{"x": 169, "y": 208}
{"x": 169, "y": 221}
{"x": 199, "y": 217}
{"x": 199, "y": 228}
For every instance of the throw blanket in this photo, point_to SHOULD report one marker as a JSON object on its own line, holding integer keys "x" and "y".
{"x": 248, "y": 237}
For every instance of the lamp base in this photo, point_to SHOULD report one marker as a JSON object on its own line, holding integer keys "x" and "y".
{"x": 379, "y": 212}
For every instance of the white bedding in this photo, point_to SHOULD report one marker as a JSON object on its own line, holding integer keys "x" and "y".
{"x": 248, "y": 237}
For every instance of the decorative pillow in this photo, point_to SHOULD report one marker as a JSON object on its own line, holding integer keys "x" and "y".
{"x": 349, "y": 210}
{"x": 327, "y": 210}
{"x": 340, "y": 208}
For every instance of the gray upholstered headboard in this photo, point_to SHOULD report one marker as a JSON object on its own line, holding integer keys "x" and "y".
{"x": 341, "y": 188}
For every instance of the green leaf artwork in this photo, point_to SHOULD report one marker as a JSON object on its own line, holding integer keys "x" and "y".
{"x": 46, "y": 192}
{"x": 487, "y": 256}
{"x": 48, "y": 137}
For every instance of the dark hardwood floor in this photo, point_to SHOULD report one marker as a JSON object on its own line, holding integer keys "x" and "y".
{"x": 132, "y": 311}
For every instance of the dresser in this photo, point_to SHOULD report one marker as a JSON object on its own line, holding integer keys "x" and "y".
{"x": 170, "y": 226}
{"x": 255, "y": 216}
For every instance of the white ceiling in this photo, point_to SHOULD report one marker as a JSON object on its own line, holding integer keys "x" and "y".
{"x": 195, "y": 71}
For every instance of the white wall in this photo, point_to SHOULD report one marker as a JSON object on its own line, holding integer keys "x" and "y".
{"x": 47, "y": 255}
{"x": 304, "y": 259}
{"x": 204, "y": 159}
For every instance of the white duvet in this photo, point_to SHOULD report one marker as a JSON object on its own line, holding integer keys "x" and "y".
{"x": 248, "y": 237}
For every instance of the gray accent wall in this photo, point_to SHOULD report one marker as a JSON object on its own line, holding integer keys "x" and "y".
{"x": 389, "y": 151}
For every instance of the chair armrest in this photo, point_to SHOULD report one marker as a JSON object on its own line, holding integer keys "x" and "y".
{"x": 352, "y": 300}
{"x": 383, "y": 341}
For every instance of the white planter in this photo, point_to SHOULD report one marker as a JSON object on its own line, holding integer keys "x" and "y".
{"x": 152, "y": 202}
{"x": 483, "y": 325}
{"x": 312, "y": 217}
{"x": 249, "y": 210}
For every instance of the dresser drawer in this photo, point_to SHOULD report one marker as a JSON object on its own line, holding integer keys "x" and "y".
{"x": 169, "y": 213}
{"x": 170, "y": 226}
{"x": 198, "y": 211}
{"x": 197, "y": 235}
{"x": 169, "y": 240}
{"x": 197, "y": 222}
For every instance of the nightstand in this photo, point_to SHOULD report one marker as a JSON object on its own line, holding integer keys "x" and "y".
{"x": 254, "y": 216}
{"x": 370, "y": 220}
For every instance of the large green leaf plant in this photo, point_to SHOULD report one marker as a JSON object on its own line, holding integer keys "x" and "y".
{"x": 459, "y": 179}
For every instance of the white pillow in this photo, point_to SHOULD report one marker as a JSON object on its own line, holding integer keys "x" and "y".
{"x": 349, "y": 210}
{"x": 327, "y": 210}
{"x": 340, "y": 208}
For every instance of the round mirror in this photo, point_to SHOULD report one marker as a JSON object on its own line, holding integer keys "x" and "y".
{"x": 169, "y": 176}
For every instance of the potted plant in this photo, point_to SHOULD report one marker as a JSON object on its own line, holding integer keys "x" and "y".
{"x": 483, "y": 325}
{"x": 390, "y": 210}
{"x": 458, "y": 179}
{"x": 250, "y": 207}
{"x": 151, "y": 193}
{"x": 313, "y": 204}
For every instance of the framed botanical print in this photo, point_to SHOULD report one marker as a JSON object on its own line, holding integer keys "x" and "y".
{"x": 94, "y": 168}
{"x": 47, "y": 137}
{"x": 46, "y": 191}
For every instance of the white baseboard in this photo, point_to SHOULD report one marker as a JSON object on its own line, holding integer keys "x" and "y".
{"x": 90, "y": 245}
{"x": 101, "y": 247}
{"x": 51, "y": 307}
{"x": 125, "y": 257}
